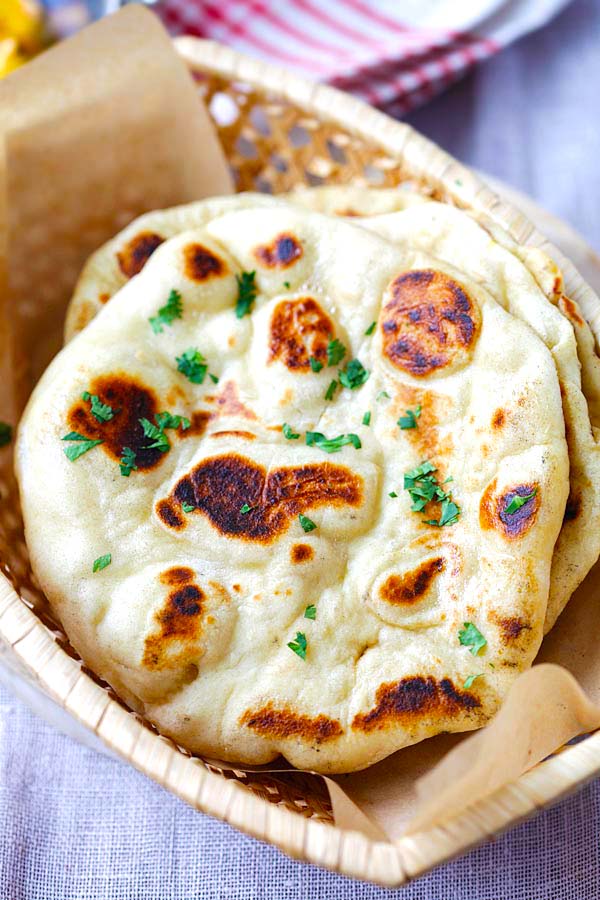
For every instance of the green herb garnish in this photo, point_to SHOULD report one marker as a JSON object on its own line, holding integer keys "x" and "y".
{"x": 382, "y": 395}
{"x": 310, "y": 612}
{"x": 307, "y": 524}
{"x": 410, "y": 419}
{"x": 81, "y": 446}
{"x": 471, "y": 637}
{"x": 159, "y": 439}
{"x": 173, "y": 309}
{"x": 187, "y": 507}
{"x": 469, "y": 681}
{"x": 289, "y": 433}
{"x": 354, "y": 375}
{"x": 449, "y": 514}
{"x": 5, "y": 434}
{"x": 100, "y": 411}
{"x": 213, "y": 378}
{"x": 371, "y": 328}
{"x": 392, "y": 494}
{"x": 330, "y": 392}
{"x": 286, "y": 284}
{"x": 424, "y": 488}
{"x": 335, "y": 352}
{"x": 246, "y": 508}
{"x": 366, "y": 419}
{"x": 331, "y": 445}
{"x": 315, "y": 365}
{"x": 127, "y": 461}
{"x": 102, "y": 562}
{"x": 518, "y": 501}
{"x": 168, "y": 420}
{"x": 299, "y": 645}
{"x": 192, "y": 364}
{"x": 247, "y": 291}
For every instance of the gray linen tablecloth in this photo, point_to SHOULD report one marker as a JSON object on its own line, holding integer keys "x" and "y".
{"x": 74, "y": 824}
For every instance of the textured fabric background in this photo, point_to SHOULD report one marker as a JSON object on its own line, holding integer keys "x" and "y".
{"x": 77, "y": 826}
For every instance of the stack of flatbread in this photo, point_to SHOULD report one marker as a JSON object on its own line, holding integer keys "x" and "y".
{"x": 314, "y": 474}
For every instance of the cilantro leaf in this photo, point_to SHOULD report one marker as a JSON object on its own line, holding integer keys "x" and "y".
{"x": 307, "y": 524}
{"x": 100, "y": 411}
{"x": 366, "y": 419}
{"x": 410, "y": 419}
{"x": 5, "y": 434}
{"x": 246, "y": 508}
{"x": 471, "y": 637}
{"x": 286, "y": 284}
{"x": 168, "y": 420}
{"x": 469, "y": 681}
{"x": 354, "y": 375}
{"x": 173, "y": 309}
{"x": 102, "y": 562}
{"x": 192, "y": 364}
{"x": 382, "y": 395}
{"x": 127, "y": 461}
{"x": 159, "y": 439}
{"x": 82, "y": 446}
{"x": 187, "y": 507}
{"x": 371, "y": 328}
{"x": 392, "y": 494}
{"x": 335, "y": 352}
{"x": 315, "y": 365}
{"x": 310, "y": 612}
{"x": 299, "y": 645}
{"x": 330, "y": 392}
{"x": 213, "y": 378}
{"x": 247, "y": 291}
{"x": 423, "y": 488}
{"x": 288, "y": 433}
{"x": 449, "y": 516}
{"x": 518, "y": 501}
{"x": 331, "y": 445}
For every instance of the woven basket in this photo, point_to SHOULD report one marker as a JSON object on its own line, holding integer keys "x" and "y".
{"x": 279, "y": 131}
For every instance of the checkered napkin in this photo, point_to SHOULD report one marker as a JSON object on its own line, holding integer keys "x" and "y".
{"x": 395, "y": 54}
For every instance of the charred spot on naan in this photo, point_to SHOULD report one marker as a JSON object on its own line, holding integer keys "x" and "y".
{"x": 499, "y": 418}
{"x": 103, "y": 298}
{"x": 270, "y": 722}
{"x": 299, "y": 329}
{"x": 222, "y": 486}
{"x": 414, "y": 698}
{"x": 413, "y": 586}
{"x": 130, "y": 401}
{"x": 281, "y": 253}
{"x": 571, "y": 310}
{"x": 200, "y": 263}
{"x": 573, "y": 507}
{"x": 179, "y": 622}
{"x": 511, "y": 627}
{"x": 244, "y": 435}
{"x": 137, "y": 251}
{"x": 429, "y": 323}
{"x": 493, "y": 509}
{"x": 301, "y": 553}
{"x": 229, "y": 403}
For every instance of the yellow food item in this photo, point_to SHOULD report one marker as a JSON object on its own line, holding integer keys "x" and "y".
{"x": 22, "y": 33}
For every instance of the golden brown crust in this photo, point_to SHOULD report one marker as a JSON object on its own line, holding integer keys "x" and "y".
{"x": 200, "y": 264}
{"x": 412, "y": 586}
{"x": 285, "y": 723}
{"x": 493, "y": 506}
{"x": 299, "y": 329}
{"x": 417, "y": 697}
{"x": 137, "y": 251}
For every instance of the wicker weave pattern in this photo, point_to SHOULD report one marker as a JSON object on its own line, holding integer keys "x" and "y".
{"x": 279, "y": 132}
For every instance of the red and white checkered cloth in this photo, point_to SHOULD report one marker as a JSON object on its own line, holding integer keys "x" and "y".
{"x": 395, "y": 54}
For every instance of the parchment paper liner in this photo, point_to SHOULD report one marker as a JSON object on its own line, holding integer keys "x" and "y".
{"x": 79, "y": 157}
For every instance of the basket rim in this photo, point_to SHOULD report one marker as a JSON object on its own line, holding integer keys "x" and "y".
{"x": 58, "y": 674}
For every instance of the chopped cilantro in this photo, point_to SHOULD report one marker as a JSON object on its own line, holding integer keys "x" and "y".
{"x": 410, "y": 419}
{"x": 5, "y": 434}
{"x": 246, "y": 508}
{"x": 81, "y": 446}
{"x": 382, "y": 395}
{"x": 315, "y": 365}
{"x": 288, "y": 433}
{"x": 393, "y": 494}
{"x": 471, "y": 637}
{"x": 423, "y": 488}
{"x": 159, "y": 439}
{"x": 213, "y": 378}
{"x": 366, "y": 419}
{"x": 330, "y": 392}
{"x": 127, "y": 461}
{"x": 100, "y": 411}
{"x": 307, "y": 524}
{"x": 310, "y": 612}
{"x": 335, "y": 352}
{"x": 450, "y": 513}
{"x": 192, "y": 364}
{"x": 187, "y": 507}
{"x": 168, "y": 420}
{"x": 173, "y": 309}
{"x": 299, "y": 645}
{"x": 354, "y": 375}
{"x": 102, "y": 562}
{"x": 518, "y": 501}
{"x": 469, "y": 681}
{"x": 247, "y": 291}
{"x": 331, "y": 445}
{"x": 286, "y": 284}
{"x": 371, "y": 328}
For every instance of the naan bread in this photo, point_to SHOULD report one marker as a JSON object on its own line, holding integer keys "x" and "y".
{"x": 212, "y": 571}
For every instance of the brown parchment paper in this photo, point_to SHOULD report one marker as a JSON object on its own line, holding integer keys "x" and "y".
{"x": 93, "y": 132}
{"x": 102, "y": 128}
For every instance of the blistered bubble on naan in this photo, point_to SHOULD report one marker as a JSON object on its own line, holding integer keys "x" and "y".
{"x": 266, "y": 596}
